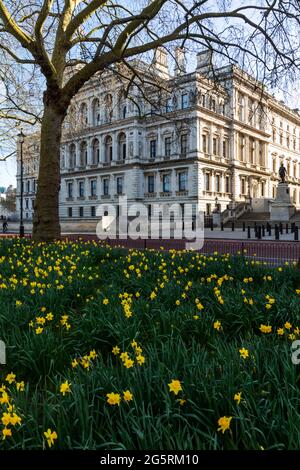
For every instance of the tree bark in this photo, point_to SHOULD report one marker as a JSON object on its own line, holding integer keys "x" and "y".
{"x": 46, "y": 226}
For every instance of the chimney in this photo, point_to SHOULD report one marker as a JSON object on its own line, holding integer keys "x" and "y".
{"x": 204, "y": 61}
{"x": 160, "y": 62}
{"x": 180, "y": 62}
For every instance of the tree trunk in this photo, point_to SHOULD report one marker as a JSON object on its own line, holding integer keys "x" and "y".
{"x": 46, "y": 226}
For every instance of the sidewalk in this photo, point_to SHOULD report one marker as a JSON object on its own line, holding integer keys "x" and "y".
{"x": 238, "y": 234}
{"x": 216, "y": 234}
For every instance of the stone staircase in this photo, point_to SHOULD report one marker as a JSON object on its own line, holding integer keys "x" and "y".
{"x": 262, "y": 218}
{"x": 296, "y": 218}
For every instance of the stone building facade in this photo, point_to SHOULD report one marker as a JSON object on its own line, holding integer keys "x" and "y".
{"x": 31, "y": 149}
{"x": 209, "y": 137}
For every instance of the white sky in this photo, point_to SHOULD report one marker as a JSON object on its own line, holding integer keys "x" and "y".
{"x": 8, "y": 171}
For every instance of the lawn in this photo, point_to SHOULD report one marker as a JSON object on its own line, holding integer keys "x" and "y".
{"x": 109, "y": 349}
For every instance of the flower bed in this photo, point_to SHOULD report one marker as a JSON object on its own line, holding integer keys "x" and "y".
{"x": 110, "y": 349}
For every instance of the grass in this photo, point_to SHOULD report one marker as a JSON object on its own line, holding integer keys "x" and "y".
{"x": 188, "y": 316}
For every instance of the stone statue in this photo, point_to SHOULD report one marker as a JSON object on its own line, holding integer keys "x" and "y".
{"x": 282, "y": 172}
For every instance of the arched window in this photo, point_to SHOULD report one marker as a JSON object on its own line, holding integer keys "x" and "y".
{"x": 84, "y": 114}
{"x": 96, "y": 154}
{"x": 83, "y": 153}
{"x": 124, "y": 112}
{"x": 96, "y": 112}
{"x": 72, "y": 156}
{"x": 108, "y": 107}
{"x": 108, "y": 149}
{"x": 122, "y": 154}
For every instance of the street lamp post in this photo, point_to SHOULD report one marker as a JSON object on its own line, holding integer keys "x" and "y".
{"x": 21, "y": 137}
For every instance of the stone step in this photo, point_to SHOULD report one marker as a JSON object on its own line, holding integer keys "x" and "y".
{"x": 255, "y": 216}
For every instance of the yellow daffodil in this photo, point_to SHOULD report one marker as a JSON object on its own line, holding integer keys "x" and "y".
{"x": 224, "y": 423}
{"x": 127, "y": 395}
{"x": 65, "y": 387}
{"x": 237, "y": 397}
{"x": 113, "y": 398}
{"x": 244, "y": 353}
{"x": 175, "y": 386}
{"x": 50, "y": 436}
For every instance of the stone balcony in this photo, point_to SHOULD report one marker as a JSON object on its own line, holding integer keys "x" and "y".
{"x": 182, "y": 193}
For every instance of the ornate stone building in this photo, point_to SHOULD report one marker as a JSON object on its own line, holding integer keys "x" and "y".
{"x": 31, "y": 149}
{"x": 212, "y": 137}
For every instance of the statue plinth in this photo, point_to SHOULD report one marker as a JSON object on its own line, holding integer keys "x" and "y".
{"x": 216, "y": 215}
{"x": 282, "y": 208}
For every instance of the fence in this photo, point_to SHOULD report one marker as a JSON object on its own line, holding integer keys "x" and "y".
{"x": 272, "y": 252}
{"x": 275, "y": 252}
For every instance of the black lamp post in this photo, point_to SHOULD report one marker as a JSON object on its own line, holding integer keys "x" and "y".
{"x": 21, "y": 137}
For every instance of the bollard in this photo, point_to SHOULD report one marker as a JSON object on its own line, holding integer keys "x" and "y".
{"x": 286, "y": 228}
{"x": 232, "y": 226}
{"x": 249, "y": 231}
{"x": 296, "y": 233}
{"x": 263, "y": 231}
{"x": 270, "y": 230}
{"x": 222, "y": 226}
{"x": 259, "y": 232}
{"x": 244, "y": 227}
{"x": 276, "y": 232}
{"x": 281, "y": 228}
{"x": 293, "y": 227}
{"x": 211, "y": 224}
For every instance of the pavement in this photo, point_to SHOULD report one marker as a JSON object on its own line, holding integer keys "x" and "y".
{"x": 226, "y": 234}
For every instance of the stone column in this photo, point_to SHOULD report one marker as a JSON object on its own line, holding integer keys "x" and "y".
{"x": 210, "y": 140}
{"x": 246, "y": 149}
{"x": 89, "y": 152}
{"x": 102, "y": 148}
{"x": 115, "y": 147}
{"x": 221, "y": 142}
{"x": 63, "y": 156}
{"x": 90, "y": 112}
{"x": 246, "y": 109}
{"x": 232, "y": 147}
{"x": 199, "y": 136}
{"x": 157, "y": 183}
{"x": 212, "y": 181}
{"x": 77, "y": 156}
{"x": 256, "y": 152}
{"x": 173, "y": 184}
{"x": 135, "y": 142}
{"x": 159, "y": 145}
{"x": 222, "y": 182}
